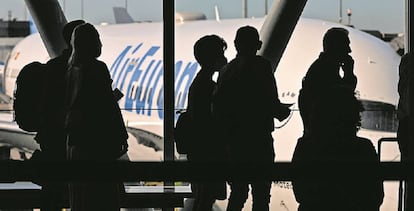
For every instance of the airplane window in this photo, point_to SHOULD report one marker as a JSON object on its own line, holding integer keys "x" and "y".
{"x": 379, "y": 116}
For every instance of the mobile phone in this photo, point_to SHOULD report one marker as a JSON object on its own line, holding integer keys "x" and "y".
{"x": 117, "y": 94}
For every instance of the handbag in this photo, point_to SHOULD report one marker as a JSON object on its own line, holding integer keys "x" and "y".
{"x": 117, "y": 133}
{"x": 184, "y": 133}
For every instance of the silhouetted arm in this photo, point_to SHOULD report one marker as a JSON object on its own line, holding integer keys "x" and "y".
{"x": 279, "y": 111}
{"x": 349, "y": 80}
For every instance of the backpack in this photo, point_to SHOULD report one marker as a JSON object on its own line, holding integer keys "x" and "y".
{"x": 183, "y": 133}
{"x": 28, "y": 96}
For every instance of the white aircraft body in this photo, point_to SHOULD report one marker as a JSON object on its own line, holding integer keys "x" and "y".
{"x": 133, "y": 53}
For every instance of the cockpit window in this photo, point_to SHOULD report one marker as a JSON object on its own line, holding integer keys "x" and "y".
{"x": 379, "y": 116}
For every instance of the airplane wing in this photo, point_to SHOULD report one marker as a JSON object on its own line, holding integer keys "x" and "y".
{"x": 11, "y": 136}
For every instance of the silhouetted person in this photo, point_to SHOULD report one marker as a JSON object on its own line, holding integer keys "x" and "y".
{"x": 333, "y": 123}
{"x": 52, "y": 138}
{"x": 51, "y": 135}
{"x": 324, "y": 73}
{"x": 92, "y": 120}
{"x": 245, "y": 103}
{"x": 405, "y": 132}
{"x": 207, "y": 148}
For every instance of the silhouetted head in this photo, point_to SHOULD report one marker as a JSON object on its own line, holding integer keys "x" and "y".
{"x": 336, "y": 42}
{"x": 337, "y": 112}
{"x": 68, "y": 30}
{"x": 209, "y": 52}
{"x": 247, "y": 41}
{"x": 85, "y": 42}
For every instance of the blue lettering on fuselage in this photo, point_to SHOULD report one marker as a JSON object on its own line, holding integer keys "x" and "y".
{"x": 133, "y": 89}
{"x": 189, "y": 74}
{"x": 149, "y": 90}
{"x": 115, "y": 66}
{"x": 130, "y": 67}
{"x": 139, "y": 74}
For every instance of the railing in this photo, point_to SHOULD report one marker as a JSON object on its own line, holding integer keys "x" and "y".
{"x": 28, "y": 196}
{"x": 184, "y": 171}
{"x": 67, "y": 171}
{"x": 400, "y": 185}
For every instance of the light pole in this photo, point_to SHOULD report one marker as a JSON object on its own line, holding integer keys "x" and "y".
{"x": 349, "y": 13}
{"x": 82, "y": 9}
{"x": 340, "y": 11}
{"x": 409, "y": 11}
{"x": 244, "y": 8}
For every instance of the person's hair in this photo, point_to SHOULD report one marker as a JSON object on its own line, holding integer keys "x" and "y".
{"x": 85, "y": 44}
{"x": 333, "y": 36}
{"x": 85, "y": 41}
{"x": 69, "y": 28}
{"x": 247, "y": 39}
{"x": 207, "y": 48}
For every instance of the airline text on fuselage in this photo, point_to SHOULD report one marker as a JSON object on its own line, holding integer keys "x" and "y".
{"x": 138, "y": 72}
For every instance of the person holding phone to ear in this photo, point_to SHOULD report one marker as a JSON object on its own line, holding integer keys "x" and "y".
{"x": 333, "y": 68}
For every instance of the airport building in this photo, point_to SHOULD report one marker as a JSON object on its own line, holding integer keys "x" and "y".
{"x": 11, "y": 32}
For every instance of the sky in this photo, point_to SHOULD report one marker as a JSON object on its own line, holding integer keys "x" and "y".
{"x": 384, "y": 15}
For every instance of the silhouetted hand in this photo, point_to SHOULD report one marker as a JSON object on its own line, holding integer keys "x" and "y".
{"x": 348, "y": 65}
{"x": 282, "y": 112}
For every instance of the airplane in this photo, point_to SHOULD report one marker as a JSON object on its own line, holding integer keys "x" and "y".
{"x": 121, "y": 15}
{"x": 133, "y": 53}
